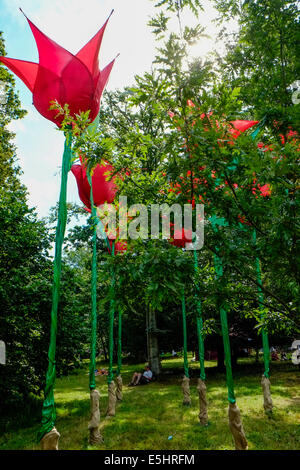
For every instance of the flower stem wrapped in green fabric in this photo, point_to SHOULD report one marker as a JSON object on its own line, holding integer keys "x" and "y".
{"x": 119, "y": 342}
{"x": 264, "y": 334}
{"x": 199, "y": 326}
{"x": 185, "y": 358}
{"x": 92, "y": 383}
{"x": 111, "y": 322}
{"x": 48, "y": 411}
{"x": 235, "y": 421}
{"x": 265, "y": 382}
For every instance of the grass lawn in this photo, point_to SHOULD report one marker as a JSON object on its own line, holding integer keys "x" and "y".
{"x": 150, "y": 414}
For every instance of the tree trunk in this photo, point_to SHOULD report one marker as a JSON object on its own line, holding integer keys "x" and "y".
{"x": 153, "y": 351}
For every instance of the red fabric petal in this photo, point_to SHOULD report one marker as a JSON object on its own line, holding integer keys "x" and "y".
{"x": 51, "y": 55}
{"x": 83, "y": 188}
{"x": 74, "y": 87}
{"x": 48, "y": 87}
{"x": 78, "y": 88}
{"x": 26, "y": 71}
{"x": 90, "y": 52}
{"x": 241, "y": 126}
{"x": 62, "y": 77}
{"x": 104, "y": 191}
{"x": 100, "y": 84}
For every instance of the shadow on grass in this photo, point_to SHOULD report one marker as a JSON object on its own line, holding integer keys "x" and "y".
{"x": 152, "y": 417}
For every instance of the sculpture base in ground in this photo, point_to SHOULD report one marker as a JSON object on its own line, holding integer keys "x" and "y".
{"x": 95, "y": 436}
{"x": 50, "y": 440}
{"x": 185, "y": 385}
{"x": 236, "y": 427}
{"x": 119, "y": 392}
{"x": 112, "y": 399}
{"x": 268, "y": 404}
{"x": 203, "y": 417}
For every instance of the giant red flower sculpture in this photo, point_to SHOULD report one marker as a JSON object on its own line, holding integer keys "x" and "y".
{"x": 240, "y": 126}
{"x": 69, "y": 79}
{"x": 76, "y": 81}
{"x": 104, "y": 188}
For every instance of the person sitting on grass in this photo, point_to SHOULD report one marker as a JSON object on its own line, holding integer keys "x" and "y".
{"x": 139, "y": 378}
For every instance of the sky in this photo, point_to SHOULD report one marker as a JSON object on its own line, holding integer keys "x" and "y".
{"x": 71, "y": 23}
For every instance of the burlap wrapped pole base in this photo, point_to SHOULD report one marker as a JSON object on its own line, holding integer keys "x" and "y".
{"x": 119, "y": 392}
{"x": 236, "y": 427}
{"x": 203, "y": 417}
{"x": 268, "y": 404}
{"x": 185, "y": 385}
{"x": 112, "y": 400}
{"x": 95, "y": 436}
{"x": 50, "y": 440}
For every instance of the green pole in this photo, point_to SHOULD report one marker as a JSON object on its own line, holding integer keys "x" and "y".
{"x": 185, "y": 358}
{"x": 215, "y": 221}
{"x": 119, "y": 342}
{"x": 111, "y": 323}
{"x": 264, "y": 334}
{"x": 265, "y": 338}
{"x": 93, "y": 340}
{"x": 225, "y": 334}
{"x": 48, "y": 410}
{"x": 199, "y": 325}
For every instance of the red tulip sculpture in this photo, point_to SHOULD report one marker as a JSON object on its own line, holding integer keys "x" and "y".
{"x": 69, "y": 79}
{"x": 239, "y": 126}
{"x": 104, "y": 188}
{"x": 76, "y": 81}
{"x": 95, "y": 190}
{"x": 179, "y": 239}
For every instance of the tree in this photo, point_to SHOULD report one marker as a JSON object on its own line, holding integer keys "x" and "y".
{"x": 262, "y": 57}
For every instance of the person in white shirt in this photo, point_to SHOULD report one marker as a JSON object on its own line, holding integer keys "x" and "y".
{"x": 139, "y": 378}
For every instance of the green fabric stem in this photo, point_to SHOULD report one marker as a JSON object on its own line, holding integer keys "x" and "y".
{"x": 111, "y": 323}
{"x": 185, "y": 358}
{"x": 264, "y": 334}
{"x": 48, "y": 410}
{"x": 103, "y": 233}
{"x": 199, "y": 326}
{"x": 260, "y": 125}
{"x": 93, "y": 319}
{"x": 225, "y": 334}
{"x": 119, "y": 342}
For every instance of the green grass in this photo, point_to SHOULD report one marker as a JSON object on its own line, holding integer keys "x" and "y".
{"x": 150, "y": 414}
